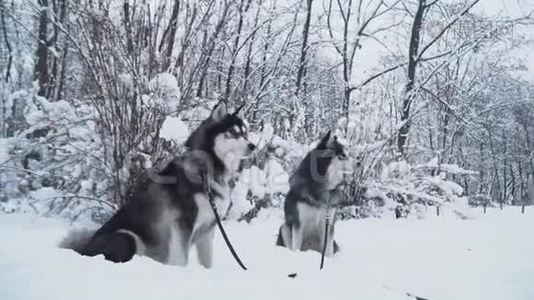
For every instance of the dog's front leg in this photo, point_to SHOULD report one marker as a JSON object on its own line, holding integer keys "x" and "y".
{"x": 296, "y": 237}
{"x": 178, "y": 247}
{"x": 284, "y": 236}
{"x": 205, "y": 249}
{"x": 330, "y": 242}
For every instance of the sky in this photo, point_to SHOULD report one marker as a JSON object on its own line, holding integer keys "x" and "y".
{"x": 514, "y": 9}
{"x": 368, "y": 59}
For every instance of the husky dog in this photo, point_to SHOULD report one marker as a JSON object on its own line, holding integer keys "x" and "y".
{"x": 173, "y": 212}
{"x": 313, "y": 188}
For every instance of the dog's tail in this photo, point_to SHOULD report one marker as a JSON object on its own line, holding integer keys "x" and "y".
{"x": 77, "y": 240}
{"x": 117, "y": 246}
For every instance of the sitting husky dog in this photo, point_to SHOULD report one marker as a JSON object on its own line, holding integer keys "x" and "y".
{"x": 173, "y": 212}
{"x": 312, "y": 189}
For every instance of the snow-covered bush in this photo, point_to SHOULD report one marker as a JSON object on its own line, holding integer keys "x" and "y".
{"x": 58, "y": 161}
{"x": 70, "y": 158}
{"x": 264, "y": 183}
{"x": 259, "y": 188}
{"x": 413, "y": 189}
{"x": 54, "y": 158}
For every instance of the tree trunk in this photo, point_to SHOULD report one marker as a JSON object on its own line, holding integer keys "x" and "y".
{"x": 248, "y": 62}
{"x": 304, "y": 48}
{"x": 412, "y": 68}
{"x": 41, "y": 65}
{"x": 128, "y": 27}
{"x": 504, "y": 176}
{"x": 495, "y": 181}
{"x": 347, "y": 67}
{"x": 7, "y": 73}
{"x": 170, "y": 35}
{"x": 346, "y": 103}
{"x": 482, "y": 173}
{"x": 235, "y": 50}
{"x": 513, "y": 191}
{"x": 521, "y": 180}
{"x": 211, "y": 44}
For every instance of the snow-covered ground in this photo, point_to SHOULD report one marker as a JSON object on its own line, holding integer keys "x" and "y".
{"x": 489, "y": 257}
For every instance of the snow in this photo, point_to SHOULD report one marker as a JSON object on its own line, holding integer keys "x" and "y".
{"x": 240, "y": 204}
{"x": 277, "y": 179}
{"x": 44, "y": 194}
{"x": 256, "y": 181}
{"x": 165, "y": 86}
{"x": 489, "y": 257}
{"x": 273, "y": 179}
{"x": 166, "y": 82}
{"x": 174, "y": 129}
{"x": 448, "y": 168}
{"x": 126, "y": 80}
{"x": 4, "y": 150}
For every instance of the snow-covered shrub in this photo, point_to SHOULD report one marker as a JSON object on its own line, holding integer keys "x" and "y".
{"x": 258, "y": 188}
{"x": 54, "y": 160}
{"x": 60, "y": 161}
{"x": 265, "y": 181}
{"x": 165, "y": 87}
{"x": 68, "y": 157}
{"x": 480, "y": 200}
{"x": 402, "y": 186}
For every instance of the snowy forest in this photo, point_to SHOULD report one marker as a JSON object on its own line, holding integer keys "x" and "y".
{"x": 433, "y": 99}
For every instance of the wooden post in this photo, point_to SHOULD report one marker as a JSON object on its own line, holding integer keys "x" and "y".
{"x": 437, "y": 210}
{"x": 398, "y": 213}
{"x": 523, "y": 208}
{"x": 484, "y": 208}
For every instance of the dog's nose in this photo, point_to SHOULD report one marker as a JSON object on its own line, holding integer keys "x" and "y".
{"x": 251, "y": 147}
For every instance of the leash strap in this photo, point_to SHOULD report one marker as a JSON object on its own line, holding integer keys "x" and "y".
{"x": 211, "y": 199}
{"x": 326, "y": 225}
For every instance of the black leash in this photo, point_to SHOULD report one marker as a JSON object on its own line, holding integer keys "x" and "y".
{"x": 326, "y": 225}
{"x": 211, "y": 199}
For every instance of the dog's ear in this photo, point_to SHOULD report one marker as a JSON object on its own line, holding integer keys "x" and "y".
{"x": 324, "y": 142}
{"x": 219, "y": 111}
{"x": 238, "y": 110}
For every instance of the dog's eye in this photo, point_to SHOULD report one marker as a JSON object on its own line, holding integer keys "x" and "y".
{"x": 244, "y": 132}
{"x": 232, "y": 133}
{"x": 238, "y": 131}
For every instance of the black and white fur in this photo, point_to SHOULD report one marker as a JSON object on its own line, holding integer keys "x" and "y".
{"x": 173, "y": 213}
{"x": 313, "y": 191}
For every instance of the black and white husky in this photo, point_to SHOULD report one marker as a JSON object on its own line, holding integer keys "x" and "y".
{"x": 173, "y": 212}
{"x": 313, "y": 193}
